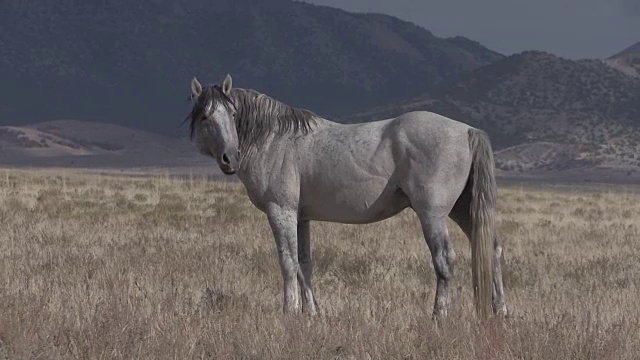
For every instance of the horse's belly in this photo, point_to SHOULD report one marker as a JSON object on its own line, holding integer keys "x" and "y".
{"x": 356, "y": 204}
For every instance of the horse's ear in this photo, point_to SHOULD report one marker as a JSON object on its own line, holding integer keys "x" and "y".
{"x": 227, "y": 84}
{"x": 196, "y": 88}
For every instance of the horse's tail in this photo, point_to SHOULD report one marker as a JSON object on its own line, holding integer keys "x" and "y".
{"x": 483, "y": 203}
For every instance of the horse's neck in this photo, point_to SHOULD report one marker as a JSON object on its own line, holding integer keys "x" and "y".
{"x": 254, "y": 166}
{"x": 254, "y": 156}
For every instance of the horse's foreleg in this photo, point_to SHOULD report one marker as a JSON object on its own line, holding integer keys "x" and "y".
{"x": 443, "y": 256}
{"x": 284, "y": 223}
{"x": 309, "y": 303}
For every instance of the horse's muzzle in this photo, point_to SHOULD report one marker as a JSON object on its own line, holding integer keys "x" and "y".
{"x": 229, "y": 164}
{"x": 228, "y": 170}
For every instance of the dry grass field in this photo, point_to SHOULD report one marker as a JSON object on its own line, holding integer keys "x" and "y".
{"x": 104, "y": 267}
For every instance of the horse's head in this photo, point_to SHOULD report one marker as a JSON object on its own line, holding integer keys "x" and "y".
{"x": 213, "y": 126}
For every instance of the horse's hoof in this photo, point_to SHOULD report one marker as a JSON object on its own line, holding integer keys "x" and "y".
{"x": 501, "y": 312}
{"x": 439, "y": 316}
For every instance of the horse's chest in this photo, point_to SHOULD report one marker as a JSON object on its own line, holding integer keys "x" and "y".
{"x": 255, "y": 191}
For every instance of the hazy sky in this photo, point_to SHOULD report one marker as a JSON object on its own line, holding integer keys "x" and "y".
{"x": 568, "y": 28}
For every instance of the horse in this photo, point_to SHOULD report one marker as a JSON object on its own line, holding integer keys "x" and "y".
{"x": 298, "y": 167}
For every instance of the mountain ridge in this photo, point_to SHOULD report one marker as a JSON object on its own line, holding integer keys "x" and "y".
{"x": 627, "y": 60}
{"x": 584, "y": 113}
{"x": 130, "y": 63}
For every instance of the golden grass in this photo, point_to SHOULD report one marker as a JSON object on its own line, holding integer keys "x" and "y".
{"x": 104, "y": 267}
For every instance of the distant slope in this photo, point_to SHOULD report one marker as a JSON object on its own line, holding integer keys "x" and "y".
{"x": 627, "y": 61}
{"x": 130, "y": 63}
{"x": 542, "y": 111}
{"x": 86, "y": 144}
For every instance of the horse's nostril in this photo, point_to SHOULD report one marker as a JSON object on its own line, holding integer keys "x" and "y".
{"x": 225, "y": 159}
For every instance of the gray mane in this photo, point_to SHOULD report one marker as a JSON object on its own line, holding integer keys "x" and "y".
{"x": 260, "y": 115}
{"x": 257, "y": 115}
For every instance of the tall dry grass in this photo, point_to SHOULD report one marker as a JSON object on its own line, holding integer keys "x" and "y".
{"x": 105, "y": 267}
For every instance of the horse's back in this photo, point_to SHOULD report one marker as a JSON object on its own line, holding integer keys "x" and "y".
{"x": 425, "y": 123}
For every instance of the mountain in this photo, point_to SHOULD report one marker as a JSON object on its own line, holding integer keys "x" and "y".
{"x": 543, "y": 112}
{"x": 130, "y": 63}
{"x": 627, "y": 61}
{"x": 71, "y": 143}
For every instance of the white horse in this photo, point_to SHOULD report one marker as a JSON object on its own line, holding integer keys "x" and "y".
{"x": 299, "y": 167}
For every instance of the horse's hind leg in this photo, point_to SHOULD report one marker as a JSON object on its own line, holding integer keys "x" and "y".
{"x": 443, "y": 256}
{"x": 499, "y": 306}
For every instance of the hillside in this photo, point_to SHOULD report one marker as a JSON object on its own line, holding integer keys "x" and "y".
{"x": 93, "y": 145}
{"x": 131, "y": 63}
{"x": 543, "y": 112}
{"x": 627, "y": 61}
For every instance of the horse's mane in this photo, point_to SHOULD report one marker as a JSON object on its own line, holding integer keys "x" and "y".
{"x": 257, "y": 115}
